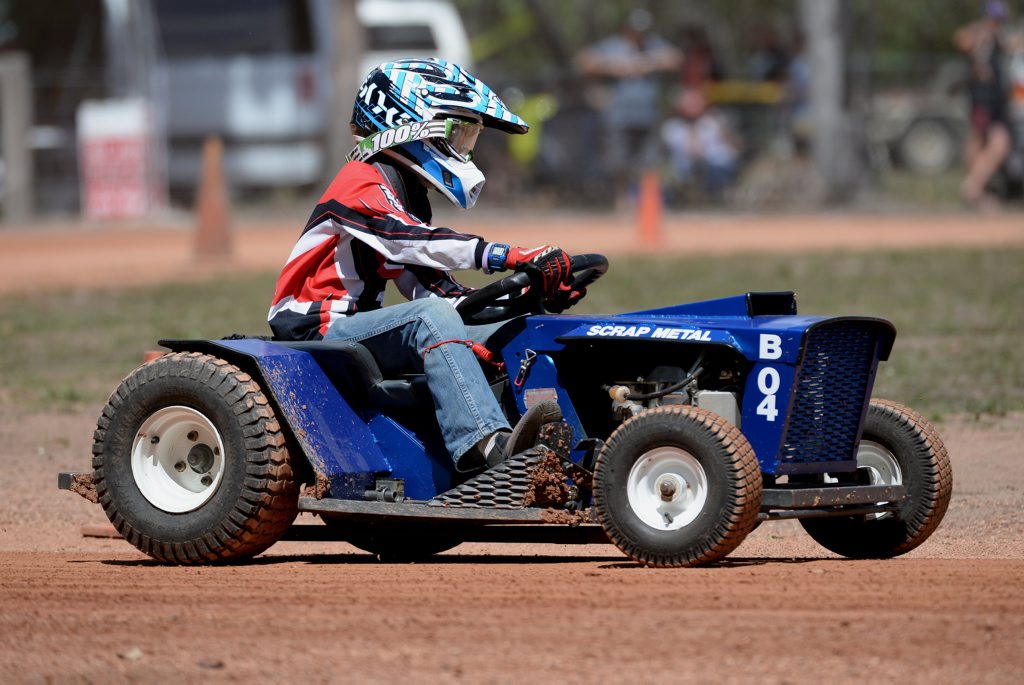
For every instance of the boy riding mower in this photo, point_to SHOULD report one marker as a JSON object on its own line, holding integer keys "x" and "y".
{"x": 682, "y": 429}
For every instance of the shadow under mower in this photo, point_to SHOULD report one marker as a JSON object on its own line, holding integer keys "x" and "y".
{"x": 683, "y": 428}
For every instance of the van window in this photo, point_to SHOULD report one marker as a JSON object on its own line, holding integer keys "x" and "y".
{"x": 207, "y": 28}
{"x": 402, "y": 37}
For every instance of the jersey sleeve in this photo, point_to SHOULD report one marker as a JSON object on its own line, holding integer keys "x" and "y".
{"x": 417, "y": 282}
{"x": 368, "y": 210}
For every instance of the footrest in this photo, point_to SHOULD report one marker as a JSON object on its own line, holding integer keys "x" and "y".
{"x": 830, "y": 496}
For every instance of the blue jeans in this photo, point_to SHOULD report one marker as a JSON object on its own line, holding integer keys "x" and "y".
{"x": 398, "y": 336}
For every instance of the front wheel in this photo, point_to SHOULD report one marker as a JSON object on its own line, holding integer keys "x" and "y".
{"x": 677, "y": 486}
{"x": 190, "y": 462}
{"x": 899, "y": 447}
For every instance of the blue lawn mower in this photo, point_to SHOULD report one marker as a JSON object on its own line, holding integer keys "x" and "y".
{"x": 682, "y": 429}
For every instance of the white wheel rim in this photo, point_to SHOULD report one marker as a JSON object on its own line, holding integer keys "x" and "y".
{"x": 667, "y": 488}
{"x": 177, "y": 459}
{"x": 881, "y": 465}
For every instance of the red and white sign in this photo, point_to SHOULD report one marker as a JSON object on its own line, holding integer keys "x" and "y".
{"x": 120, "y": 176}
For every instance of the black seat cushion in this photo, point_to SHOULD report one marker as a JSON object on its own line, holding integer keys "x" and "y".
{"x": 352, "y": 368}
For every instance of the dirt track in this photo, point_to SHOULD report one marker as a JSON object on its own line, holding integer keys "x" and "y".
{"x": 780, "y": 610}
{"x": 128, "y": 255}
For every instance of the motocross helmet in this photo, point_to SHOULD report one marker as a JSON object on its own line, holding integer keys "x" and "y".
{"x": 426, "y": 114}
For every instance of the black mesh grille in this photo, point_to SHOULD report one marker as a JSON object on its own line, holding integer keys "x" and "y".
{"x": 830, "y": 393}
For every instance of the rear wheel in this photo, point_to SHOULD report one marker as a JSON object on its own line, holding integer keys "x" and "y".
{"x": 677, "y": 486}
{"x": 899, "y": 447}
{"x": 928, "y": 147}
{"x": 190, "y": 463}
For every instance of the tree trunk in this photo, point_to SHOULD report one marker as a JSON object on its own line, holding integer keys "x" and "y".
{"x": 833, "y": 144}
{"x": 347, "y": 52}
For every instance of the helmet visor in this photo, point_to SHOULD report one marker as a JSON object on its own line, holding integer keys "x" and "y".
{"x": 460, "y": 136}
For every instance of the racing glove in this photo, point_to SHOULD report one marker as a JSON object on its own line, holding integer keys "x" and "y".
{"x": 552, "y": 262}
{"x": 564, "y": 297}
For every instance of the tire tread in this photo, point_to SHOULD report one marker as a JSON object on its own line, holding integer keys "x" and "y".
{"x": 270, "y": 491}
{"x": 744, "y": 498}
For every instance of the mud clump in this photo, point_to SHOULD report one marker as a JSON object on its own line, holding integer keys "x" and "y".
{"x": 318, "y": 489}
{"x": 569, "y": 518}
{"x": 549, "y": 483}
{"x": 83, "y": 484}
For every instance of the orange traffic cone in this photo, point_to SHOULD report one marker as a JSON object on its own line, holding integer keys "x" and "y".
{"x": 213, "y": 230}
{"x": 649, "y": 208}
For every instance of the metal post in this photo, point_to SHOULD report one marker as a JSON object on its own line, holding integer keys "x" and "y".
{"x": 16, "y": 195}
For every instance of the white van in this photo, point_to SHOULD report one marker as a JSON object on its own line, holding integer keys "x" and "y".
{"x": 404, "y": 28}
{"x": 256, "y": 73}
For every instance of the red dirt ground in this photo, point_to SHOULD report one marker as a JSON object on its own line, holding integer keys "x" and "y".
{"x": 779, "y": 610}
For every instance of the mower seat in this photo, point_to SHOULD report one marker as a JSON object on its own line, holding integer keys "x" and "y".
{"x": 353, "y": 369}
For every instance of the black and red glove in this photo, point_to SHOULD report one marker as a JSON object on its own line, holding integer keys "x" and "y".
{"x": 564, "y": 297}
{"x": 552, "y": 262}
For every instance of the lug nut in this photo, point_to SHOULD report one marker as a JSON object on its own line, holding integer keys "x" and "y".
{"x": 179, "y": 467}
{"x": 206, "y": 480}
{"x": 193, "y": 436}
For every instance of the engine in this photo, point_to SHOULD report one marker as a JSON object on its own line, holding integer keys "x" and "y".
{"x": 670, "y": 385}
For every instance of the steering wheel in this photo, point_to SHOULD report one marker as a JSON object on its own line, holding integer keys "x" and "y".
{"x": 524, "y": 291}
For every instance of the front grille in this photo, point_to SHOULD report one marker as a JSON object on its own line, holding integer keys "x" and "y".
{"x": 830, "y": 393}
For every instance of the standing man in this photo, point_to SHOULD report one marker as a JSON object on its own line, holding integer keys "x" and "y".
{"x": 633, "y": 63}
{"x": 988, "y": 139}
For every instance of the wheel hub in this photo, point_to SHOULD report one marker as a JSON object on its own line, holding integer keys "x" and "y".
{"x": 177, "y": 459}
{"x": 881, "y": 466}
{"x": 667, "y": 488}
{"x": 200, "y": 458}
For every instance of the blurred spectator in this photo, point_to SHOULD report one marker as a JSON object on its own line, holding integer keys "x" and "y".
{"x": 769, "y": 59}
{"x": 1015, "y": 162}
{"x": 631, "y": 63}
{"x": 988, "y": 139}
{"x": 699, "y": 64}
{"x": 796, "y": 99}
{"x": 702, "y": 150}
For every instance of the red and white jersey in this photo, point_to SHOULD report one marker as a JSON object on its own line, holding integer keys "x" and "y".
{"x": 358, "y": 238}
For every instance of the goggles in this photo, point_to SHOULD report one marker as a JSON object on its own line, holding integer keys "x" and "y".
{"x": 455, "y": 137}
{"x": 460, "y": 138}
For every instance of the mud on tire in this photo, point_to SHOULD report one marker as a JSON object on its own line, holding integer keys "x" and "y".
{"x": 919, "y": 457}
{"x": 220, "y": 487}
{"x": 677, "y": 486}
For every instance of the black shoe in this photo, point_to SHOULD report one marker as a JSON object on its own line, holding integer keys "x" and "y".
{"x": 524, "y": 435}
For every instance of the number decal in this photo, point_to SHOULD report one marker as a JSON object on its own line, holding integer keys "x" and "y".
{"x": 768, "y": 383}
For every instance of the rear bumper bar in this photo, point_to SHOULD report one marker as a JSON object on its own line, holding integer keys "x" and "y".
{"x": 79, "y": 483}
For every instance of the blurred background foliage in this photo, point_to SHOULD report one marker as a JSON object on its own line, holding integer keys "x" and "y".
{"x": 505, "y": 33}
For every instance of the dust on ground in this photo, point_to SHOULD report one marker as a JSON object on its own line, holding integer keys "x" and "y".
{"x": 779, "y": 609}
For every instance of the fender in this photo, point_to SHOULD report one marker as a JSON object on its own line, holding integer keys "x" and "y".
{"x": 338, "y": 442}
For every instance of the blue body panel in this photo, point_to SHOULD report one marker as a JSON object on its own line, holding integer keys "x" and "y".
{"x": 787, "y": 383}
{"x": 337, "y": 442}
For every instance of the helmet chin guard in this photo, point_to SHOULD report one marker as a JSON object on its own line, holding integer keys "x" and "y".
{"x": 460, "y": 182}
{"x": 426, "y": 114}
